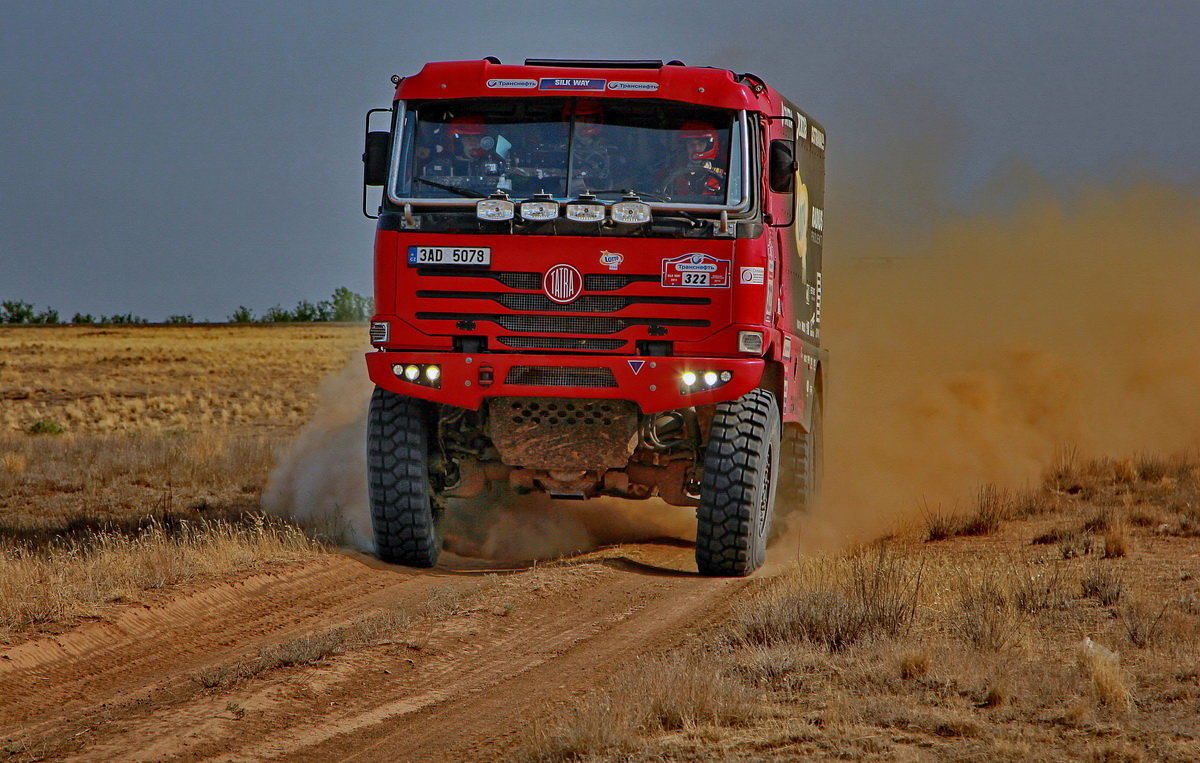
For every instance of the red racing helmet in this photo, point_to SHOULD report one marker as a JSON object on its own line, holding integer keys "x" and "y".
{"x": 589, "y": 115}
{"x": 707, "y": 141}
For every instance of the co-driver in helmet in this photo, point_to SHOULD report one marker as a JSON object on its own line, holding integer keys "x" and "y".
{"x": 700, "y": 174}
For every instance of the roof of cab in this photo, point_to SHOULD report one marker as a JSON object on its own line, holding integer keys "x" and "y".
{"x": 488, "y": 78}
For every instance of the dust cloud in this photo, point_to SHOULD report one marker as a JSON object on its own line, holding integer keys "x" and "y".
{"x": 997, "y": 340}
{"x": 321, "y": 482}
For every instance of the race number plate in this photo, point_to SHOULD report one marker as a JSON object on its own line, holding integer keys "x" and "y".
{"x": 696, "y": 270}
{"x": 449, "y": 255}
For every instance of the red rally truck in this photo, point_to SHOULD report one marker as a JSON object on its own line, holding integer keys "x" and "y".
{"x": 595, "y": 278}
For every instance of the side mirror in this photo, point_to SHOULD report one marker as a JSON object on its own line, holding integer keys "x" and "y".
{"x": 375, "y": 158}
{"x": 782, "y": 166}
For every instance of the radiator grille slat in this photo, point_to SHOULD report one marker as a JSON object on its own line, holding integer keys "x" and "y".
{"x": 557, "y": 376}
{"x": 561, "y": 343}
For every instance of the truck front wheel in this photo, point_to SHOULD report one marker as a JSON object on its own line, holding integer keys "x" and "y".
{"x": 403, "y": 511}
{"x": 737, "y": 493}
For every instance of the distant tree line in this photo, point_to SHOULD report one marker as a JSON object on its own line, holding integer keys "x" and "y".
{"x": 344, "y": 306}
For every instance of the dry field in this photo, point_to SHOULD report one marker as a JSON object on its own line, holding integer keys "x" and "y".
{"x": 147, "y": 612}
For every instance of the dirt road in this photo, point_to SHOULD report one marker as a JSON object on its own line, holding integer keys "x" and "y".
{"x": 466, "y": 657}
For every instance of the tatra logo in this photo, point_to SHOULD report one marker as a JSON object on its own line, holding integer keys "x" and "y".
{"x": 562, "y": 283}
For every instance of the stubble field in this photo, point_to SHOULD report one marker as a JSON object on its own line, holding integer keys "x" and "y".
{"x": 148, "y": 611}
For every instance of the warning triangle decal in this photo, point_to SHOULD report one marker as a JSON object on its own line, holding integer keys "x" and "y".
{"x": 636, "y": 365}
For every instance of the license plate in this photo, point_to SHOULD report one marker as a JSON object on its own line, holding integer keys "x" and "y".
{"x": 449, "y": 255}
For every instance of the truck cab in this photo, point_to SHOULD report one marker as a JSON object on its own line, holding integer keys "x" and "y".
{"x": 595, "y": 278}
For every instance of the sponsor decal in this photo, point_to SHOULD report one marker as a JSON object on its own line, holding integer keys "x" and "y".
{"x": 512, "y": 84}
{"x": 802, "y": 126}
{"x": 645, "y": 87}
{"x": 818, "y": 138}
{"x": 696, "y": 270}
{"x": 818, "y": 219}
{"x": 562, "y": 283}
{"x": 753, "y": 275}
{"x": 570, "y": 83}
{"x": 787, "y": 348}
{"x": 636, "y": 366}
{"x": 611, "y": 260}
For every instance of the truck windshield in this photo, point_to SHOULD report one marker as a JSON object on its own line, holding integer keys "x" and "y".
{"x": 663, "y": 151}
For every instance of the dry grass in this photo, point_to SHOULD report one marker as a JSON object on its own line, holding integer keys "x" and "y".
{"x": 992, "y": 507}
{"x": 307, "y": 649}
{"x": 966, "y": 650}
{"x": 153, "y": 378}
{"x": 874, "y": 596}
{"x": 680, "y": 692}
{"x": 76, "y": 578}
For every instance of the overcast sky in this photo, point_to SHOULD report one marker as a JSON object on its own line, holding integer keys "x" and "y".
{"x": 168, "y": 158}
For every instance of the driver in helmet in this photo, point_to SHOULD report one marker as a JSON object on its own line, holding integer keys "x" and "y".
{"x": 700, "y": 173}
{"x": 469, "y": 150}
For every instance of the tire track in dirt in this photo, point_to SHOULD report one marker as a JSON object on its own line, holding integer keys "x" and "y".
{"x": 48, "y": 682}
{"x": 460, "y": 686}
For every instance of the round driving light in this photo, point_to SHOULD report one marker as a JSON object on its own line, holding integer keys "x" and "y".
{"x": 494, "y": 209}
{"x": 726, "y": 376}
{"x": 586, "y": 209}
{"x": 630, "y": 212}
{"x": 710, "y": 378}
{"x": 433, "y": 373}
{"x": 689, "y": 378}
{"x": 411, "y": 373}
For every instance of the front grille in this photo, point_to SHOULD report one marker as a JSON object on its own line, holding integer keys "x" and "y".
{"x": 555, "y": 376}
{"x": 560, "y": 343}
{"x": 561, "y": 324}
{"x": 542, "y": 303}
{"x": 533, "y": 281}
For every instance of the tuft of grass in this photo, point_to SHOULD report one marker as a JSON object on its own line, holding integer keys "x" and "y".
{"x": 913, "y": 665}
{"x": 1101, "y": 669}
{"x": 45, "y": 426}
{"x": 1116, "y": 540}
{"x": 877, "y": 598}
{"x": 1142, "y": 624}
{"x": 992, "y": 507}
{"x": 306, "y": 650}
{"x": 1102, "y": 583}
{"x": 679, "y": 692}
{"x": 987, "y": 618}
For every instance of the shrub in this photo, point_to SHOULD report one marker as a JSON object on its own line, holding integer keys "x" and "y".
{"x": 83, "y": 319}
{"x": 16, "y": 312}
{"x": 180, "y": 320}
{"x": 45, "y": 426}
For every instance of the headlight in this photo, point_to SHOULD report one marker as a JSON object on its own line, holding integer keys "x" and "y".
{"x": 700, "y": 381}
{"x": 631, "y": 212}
{"x": 586, "y": 209}
{"x": 495, "y": 209}
{"x": 424, "y": 374}
{"x": 750, "y": 341}
{"x": 540, "y": 207}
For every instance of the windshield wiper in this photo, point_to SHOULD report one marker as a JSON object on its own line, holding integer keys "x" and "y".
{"x": 457, "y": 191}
{"x": 639, "y": 194}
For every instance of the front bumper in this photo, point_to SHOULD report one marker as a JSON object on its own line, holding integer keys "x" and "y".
{"x": 651, "y": 382}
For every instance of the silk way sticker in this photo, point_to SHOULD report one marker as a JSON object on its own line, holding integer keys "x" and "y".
{"x": 753, "y": 275}
{"x": 569, "y": 83}
{"x": 696, "y": 270}
{"x": 636, "y": 366}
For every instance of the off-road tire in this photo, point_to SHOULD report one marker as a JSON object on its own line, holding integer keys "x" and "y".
{"x": 737, "y": 491}
{"x": 404, "y": 513}
{"x": 803, "y": 462}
